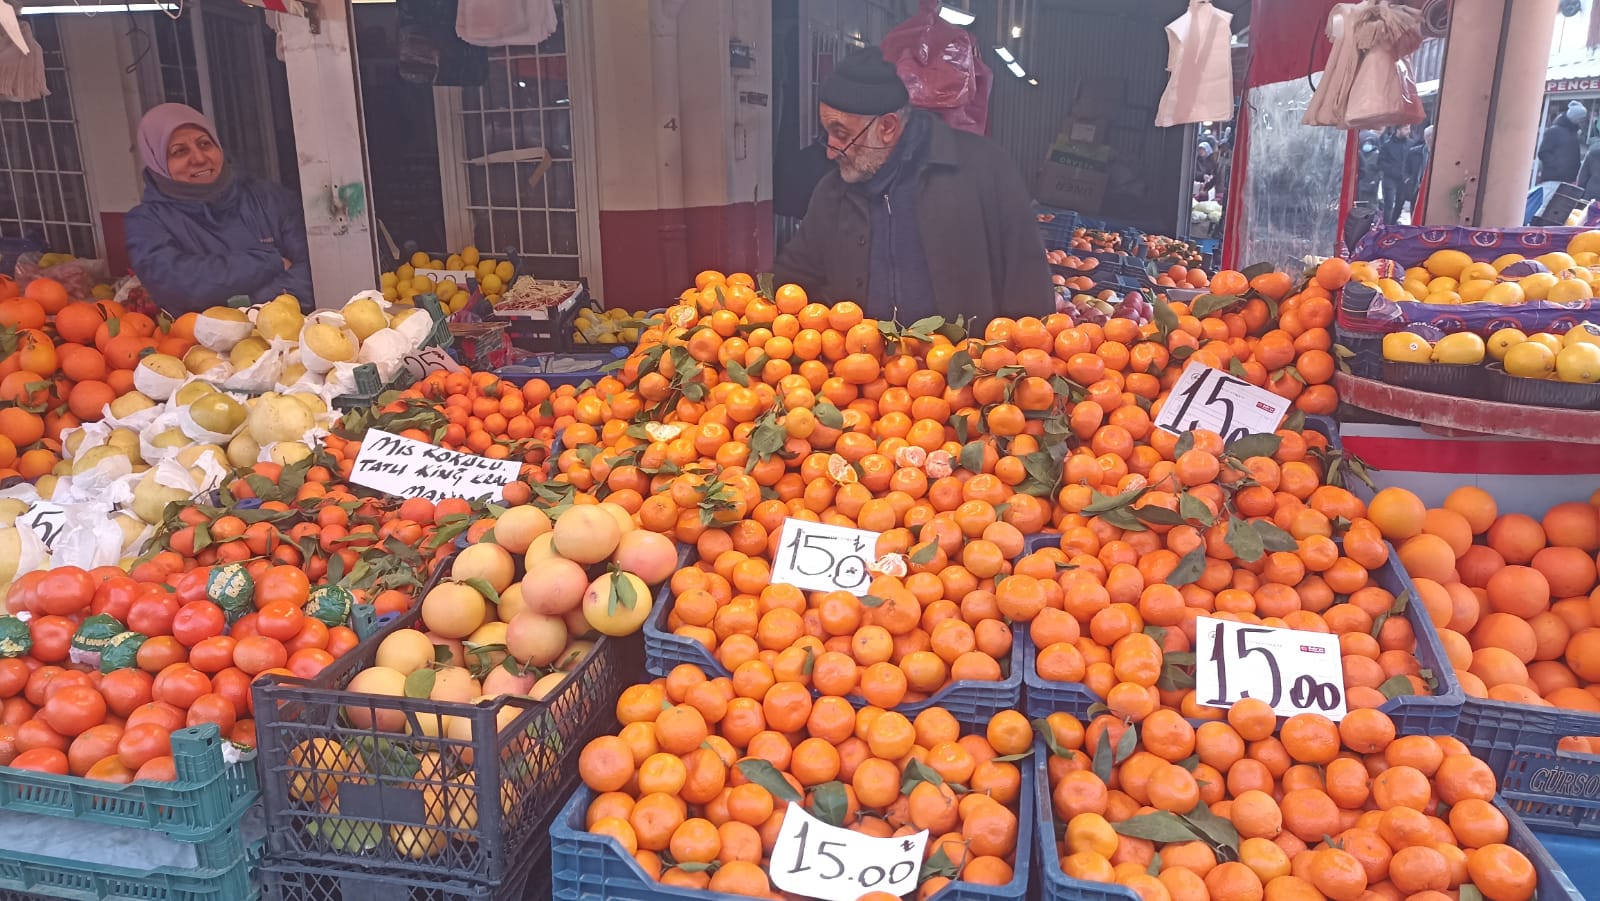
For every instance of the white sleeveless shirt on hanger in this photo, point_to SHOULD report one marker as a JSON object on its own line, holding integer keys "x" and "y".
{"x": 1200, "y": 59}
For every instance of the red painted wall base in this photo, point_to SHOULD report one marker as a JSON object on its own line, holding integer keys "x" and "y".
{"x": 652, "y": 255}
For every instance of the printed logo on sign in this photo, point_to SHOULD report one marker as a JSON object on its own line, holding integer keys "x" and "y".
{"x": 1564, "y": 783}
{"x": 1308, "y": 649}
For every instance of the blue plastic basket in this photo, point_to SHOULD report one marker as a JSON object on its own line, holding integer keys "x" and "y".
{"x": 588, "y": 867}
{"x": 1556, "y": 791}
{"x": 1055, "y": 885}
{"x": 1576, "y": 856}
{"x": 971, "y": 702}
{"x": 1436, "y": 714}
{"x": 1057, "y": 233}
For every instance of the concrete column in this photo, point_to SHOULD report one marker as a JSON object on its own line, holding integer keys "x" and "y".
{"x": 326, "y": 104}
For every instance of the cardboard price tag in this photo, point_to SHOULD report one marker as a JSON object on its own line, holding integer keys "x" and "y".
{"x": 425, "y": 360}
{"x": 821, "y": 557}
{"x": 407, "y": 468}
{"x": 45, "y": 520}
{"x": 459, "y": 276}
{"x": 1210, "y": 399}
{"x": 1293, "y": 671}
{"x": 817, "y": 860}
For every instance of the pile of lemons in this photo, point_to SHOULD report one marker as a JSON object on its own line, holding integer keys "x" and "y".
{"x": 1453, "y": 277}
{"x": 1572, "y": 357}
{"x": 403, "y": 284}
{"x": 618, "y": 326}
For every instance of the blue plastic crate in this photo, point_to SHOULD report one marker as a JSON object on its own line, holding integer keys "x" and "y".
{"x": 971, "y": 702}
{"x": 588, "y": 867}
{"x": 1057, "y": 233}
{"x": 1556, "y": 791}
{"x": 1436, "y": 714}
{"x": 1576, "y": 856}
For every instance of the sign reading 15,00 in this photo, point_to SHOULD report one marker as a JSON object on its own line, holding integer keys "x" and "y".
{"x": 817, "y": 556}
{"x": 1210, "y": 399}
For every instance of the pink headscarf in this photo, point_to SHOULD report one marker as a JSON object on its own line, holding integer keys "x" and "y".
{"x": 156, "y": 128}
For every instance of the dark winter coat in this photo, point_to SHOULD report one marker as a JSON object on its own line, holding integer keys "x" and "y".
{"x": 1560, "y": 151}
{"x": 979, "y": 235}
{"x": 1589, "y": 175}
{"x": 1392, "y": 150}
{"x": 190, "y": 254}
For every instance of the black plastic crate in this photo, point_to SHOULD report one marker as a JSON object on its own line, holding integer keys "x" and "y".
{"x": 392, "y": 799}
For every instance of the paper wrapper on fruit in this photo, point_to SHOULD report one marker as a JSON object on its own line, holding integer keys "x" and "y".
{"x": 263, "y": 374}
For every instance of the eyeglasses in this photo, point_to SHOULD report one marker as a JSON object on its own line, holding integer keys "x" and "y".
{"x": 826, "y": 141}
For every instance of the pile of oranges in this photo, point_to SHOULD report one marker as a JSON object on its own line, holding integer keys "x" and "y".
{"x": 696, "y": 783}
{"x": 1514, "y": 598}
{"x": 1245, "y": 809}
{"x": 62, "y": 361}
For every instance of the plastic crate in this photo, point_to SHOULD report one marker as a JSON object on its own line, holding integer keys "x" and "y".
{"x": 1055, "y": 885}
{"x": 517, "y": 755}
{"x": 1576, "y": 856}
{"x": 369, "y": 384}
{"x": 1558, "y": 791}
{"x": 1528, "y": 392}
{"x": 208, "y": 798}
{"x": 1057, "y": 232}
{"x": 1436, "y": 714}
{"x": 542, "y": 366}
{"x": 588, "y": 867}
{"x": 972, "y": 702}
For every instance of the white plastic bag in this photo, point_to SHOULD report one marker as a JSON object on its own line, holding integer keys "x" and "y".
{"x": 503, "y": 23}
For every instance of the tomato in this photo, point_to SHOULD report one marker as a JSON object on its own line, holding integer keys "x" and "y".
{"x": 179, "y": 684}
{"x": 125, "y": 690}
{"x": 341, "y": 641}
{"x": 281, "y": 620}
{"x": 74, "y": 709}
{"x": 391, "y": 601}
{"x": 245, "y": 626}
{"x": 283, "y": 583}
{"x": 36, "y": 733}
{"x": 160, "y": 652}
{"x": 157, "y": 769}
{"x": 142, "y": 743}
{"x": 259, "y": 653}
{"x": 104, "y": 574}
{"x": 65, "y": 590}
{"x": 114, "y": 597}
{"x": 66, "y": 679}
{"x": 214, "y": 654}
{"x": 308, "y": 662}
{"x": 158, "y": 712}
{"x": 92, "y": 746}
{"x": 110, "y": 769}
{"x": 8, "y": 744}
{"x": 52, "y": 637}
{"x": 213, "y": 708}
{"x": 23, "y": 595}
{"x": 244, "y": 733}
{"x": 198, "y": 620}
{"x": 34, "y": 691}
{"x": 13, "y": 677}
{"x": 42, "y": 760}
{"x": 193, "y": 585}
{"x": 16, "y": 711}
{"x": 153, "y": 613}
{"x": 234, "y": 684}
{"x": 312, "y": 635}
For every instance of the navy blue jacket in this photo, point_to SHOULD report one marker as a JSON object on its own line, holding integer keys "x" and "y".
{"x": 192, "y": 254}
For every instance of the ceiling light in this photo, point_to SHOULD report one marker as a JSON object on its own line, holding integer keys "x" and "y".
{"x": 70, "y": 8}
{"x": 1017, "y": 70}
{"x": 1004, "y": 54}
{"x": 1034, "y": 82}
{"x": 955, "y": 16}
{"x": 1016, "y": 31}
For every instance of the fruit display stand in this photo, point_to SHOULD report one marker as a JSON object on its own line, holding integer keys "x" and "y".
{"x": 1481, "y": 417}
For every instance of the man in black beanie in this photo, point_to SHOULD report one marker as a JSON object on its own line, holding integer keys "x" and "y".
{"x": 920, "y": 219}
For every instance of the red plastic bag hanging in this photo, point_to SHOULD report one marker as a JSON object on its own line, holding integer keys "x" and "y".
{"x": 942, "y": 68}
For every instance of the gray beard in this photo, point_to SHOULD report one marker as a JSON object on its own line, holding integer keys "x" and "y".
{"x": 866, "y": 165}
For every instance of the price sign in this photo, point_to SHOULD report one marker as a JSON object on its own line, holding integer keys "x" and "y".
{"x": 814, "y": 859}
{"x": 1210, "y": 399}
{"x": 45, "y": 520}
{"x": 821, "y": 557}
{"x": 459, "y": 276}
{"x": 407, "y": 468}
{"x": 1293, "y": 671}
{"x": 424, "y": 360}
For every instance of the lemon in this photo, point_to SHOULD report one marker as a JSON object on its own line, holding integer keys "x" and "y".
{"x": 505, "y": 270}
{"x": 1503, "y": 340}
{"x": 485, "y": 267}
{"x": 1416, "y": 288}
{"x": 469, "y": 255}
{"x": 1579, "y": 362}
{"x": 1478, "y": 270}
{"x": 1461, "y": 347}
{"x": 404, "y": 272}
{"x": 1530, "y": 359}
{"x": 1444, "y": 297}
{"x": 1418, "y": 274}
{"x": 1391, "y": 289}
{"x": 1538, "y": 286}
{"x": 1548, "y": 340}
{"x": 1568, "y": 290}
{"x": 491, "y": 284}
{"x": 1584, "y": 242}
{"x": 1504, "y": 260}
{"x": 388, "y": 280}
{"x": 419, "y": 260}
{"x": 422, "y": 284}
{"x": 1586, "y": 258}
{"x": 1558, "y": 262}
{"x": 447, "y": 289}
{"x": 453, "y": 261}
{"x": 1447, "y": 262}
{"x": 1584, "y": 332}
{"x": 1406, "y": 347}
{"x": 1443, "y": 284}
{"x": 1473, "y": 291}
{"x": 1505, "y": 294}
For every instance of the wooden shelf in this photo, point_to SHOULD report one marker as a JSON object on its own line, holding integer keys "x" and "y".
{"x": 1481, "y": 417}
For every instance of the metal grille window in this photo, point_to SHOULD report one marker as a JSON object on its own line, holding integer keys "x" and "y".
{"x": 43, "y": 193}
{"x": 180, "y": 71}
{"x": 524, "y": 105}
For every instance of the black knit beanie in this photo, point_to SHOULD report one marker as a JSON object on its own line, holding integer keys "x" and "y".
{"x": 864, "y": 84}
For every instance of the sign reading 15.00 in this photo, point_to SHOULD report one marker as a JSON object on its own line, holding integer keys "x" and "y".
{"x": 818, "y": 556}
{"x": 815, "y": 859}
{"x": 1210, "y": 399}
{"x": 1291, "y": 670}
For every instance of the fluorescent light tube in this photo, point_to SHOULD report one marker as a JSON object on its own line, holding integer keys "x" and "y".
{"x": 955, "y": 16}
{"x": 70, "y": 8}
{"x": 1004, "y": 54}
{"x": 1016, "y": 69}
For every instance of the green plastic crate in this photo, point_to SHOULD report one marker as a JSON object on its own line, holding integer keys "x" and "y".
{"x": 369, "y": 385}
{"x": 26, "y": 878}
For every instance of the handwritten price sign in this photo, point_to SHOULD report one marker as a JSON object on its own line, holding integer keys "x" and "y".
{"x": 1293, "y": 671}
{"x": 817, "y": 860}
{"x": 429, "y": 359}
{"x": 407, "y": 468}
{"x": 1210, "y": 399}
{"x": 821, "y": 557}
{"x": 45, "y": 520}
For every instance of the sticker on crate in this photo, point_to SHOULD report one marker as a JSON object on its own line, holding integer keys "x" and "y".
{"x": 1293, "y": 671}
{"x": 1206, "y": 398}
{"x": 407, "y": 468}
{"x": 818, "y": 556}
{"x": 819, "y": 860}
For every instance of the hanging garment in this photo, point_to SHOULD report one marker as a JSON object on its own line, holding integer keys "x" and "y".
{"x": 1383, "y": 93}
{"x": 1201, "y": 62}
{"x": 21, "y": 65}
{"x": 1333, "y": 91}
{"x": 502, "y": 23}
